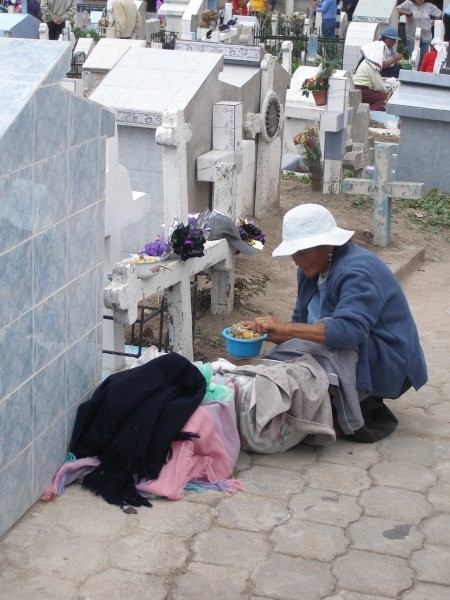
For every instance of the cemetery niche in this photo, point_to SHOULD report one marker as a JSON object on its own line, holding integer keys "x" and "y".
{"x": 51, "y": 259}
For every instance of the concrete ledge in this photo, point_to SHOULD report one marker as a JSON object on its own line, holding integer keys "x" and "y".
{"x": 402, "y": 262}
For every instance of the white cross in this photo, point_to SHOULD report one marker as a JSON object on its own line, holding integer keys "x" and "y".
{"x": 382, "y": 189}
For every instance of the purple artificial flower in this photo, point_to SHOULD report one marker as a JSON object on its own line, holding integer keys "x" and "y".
{"x": 156, "y": 248}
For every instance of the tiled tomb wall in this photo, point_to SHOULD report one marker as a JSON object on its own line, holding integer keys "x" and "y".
{"x": 52, "y": 180}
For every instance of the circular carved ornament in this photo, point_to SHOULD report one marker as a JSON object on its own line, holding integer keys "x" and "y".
{"x": 271, "y": 113}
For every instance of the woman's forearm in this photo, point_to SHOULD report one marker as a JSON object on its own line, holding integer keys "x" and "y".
{"x": 312, "y": 332}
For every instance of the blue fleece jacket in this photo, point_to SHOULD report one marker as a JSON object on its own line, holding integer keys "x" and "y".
{"x": 368, "y": 311}
{"x": 328, "y": 9}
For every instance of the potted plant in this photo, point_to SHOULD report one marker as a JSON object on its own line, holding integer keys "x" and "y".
{"x": 309, "y": 146}
{"x": 319, "y": 84}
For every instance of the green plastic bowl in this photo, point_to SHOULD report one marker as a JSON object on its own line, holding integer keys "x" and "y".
{"x": 243, "y": 348}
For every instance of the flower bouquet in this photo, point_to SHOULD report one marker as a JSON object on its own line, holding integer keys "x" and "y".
{"x": 308, "y": 140}
{"x": 314, "y": 84}
{"x": 320, "y": 81}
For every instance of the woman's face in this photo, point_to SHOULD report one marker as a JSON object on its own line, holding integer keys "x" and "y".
{"x": 313, "y": 261}
{"x": 420, "y": 2}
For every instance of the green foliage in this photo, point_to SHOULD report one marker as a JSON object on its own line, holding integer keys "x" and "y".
{"x": 292, "y": 176}
{"x": 293, "y": 23}
{"x": 247, "y": 287}
{"x": 361, "y": 202}
{"x": 308, "y": 140}
{"x": 80, "y": 32}
{"x": 432, "y": 210}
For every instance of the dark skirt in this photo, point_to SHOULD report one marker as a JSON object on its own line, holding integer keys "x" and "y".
{"x": 375, "y": 99}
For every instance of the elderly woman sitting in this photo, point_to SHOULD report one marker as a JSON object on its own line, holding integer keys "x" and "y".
{"x": 367, "y": 77}
{"x": 353, "y": 317}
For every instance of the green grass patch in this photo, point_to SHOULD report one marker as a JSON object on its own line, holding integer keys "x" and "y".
{"x": 433, "y": 210}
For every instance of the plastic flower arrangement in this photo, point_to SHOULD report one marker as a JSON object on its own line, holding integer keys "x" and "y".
{"x": 314, "y": 84}
{"x": 309, "y": 141}
{"x": 320, "y": 81}
{"x": 156, "y": 248}
{"x": 250, "y": 233}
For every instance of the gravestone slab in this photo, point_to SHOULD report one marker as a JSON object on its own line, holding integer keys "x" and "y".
{"x": 381, "y": 11}
{"x": 422, "y": 103}
{"x": 102, "y": 58}
{"x": 19, "y": 26}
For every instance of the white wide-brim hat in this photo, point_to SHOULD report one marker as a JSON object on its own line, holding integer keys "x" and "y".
{"x": 308, "y": 226}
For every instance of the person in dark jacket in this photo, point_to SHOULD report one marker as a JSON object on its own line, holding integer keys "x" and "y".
{"x": 34, "y": 8}
{"x": 348, "y": 299}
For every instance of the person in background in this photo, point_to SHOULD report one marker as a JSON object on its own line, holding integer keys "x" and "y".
{"x": 349, "y": 305}
{"x": 430, "y": 57}
{"x": 367, "y": 77}
{"x": 125, "y": 18}
{"x": 259, "y": 6}
{"x": 349, "y": 7}
{"x": 240, "y": 7}
{"x": 446, "y": 19}
{"x": 391, "y": 68}
{"x": 55, "y": 13}
{"x": 419, "y": 14}
{"x": 34, "y": 8}
{"x": 328, "y": 9}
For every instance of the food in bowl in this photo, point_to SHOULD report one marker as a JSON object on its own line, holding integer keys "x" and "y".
{"x": 145, "y": 265}
{"x": 243, "y": 347}
{"x": 243, "y": 333}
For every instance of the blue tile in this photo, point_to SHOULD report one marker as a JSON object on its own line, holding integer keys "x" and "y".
{"x": 83, "y": 375}
{"x": 85, "y": 120}
{"x": 50, "y": 191}
{"x": 108, "y": 123}
{"x": 36, "y": 56}
{"x": 50, "y": 328}
{"x": 16, "y": 142}
{"x": 101, "y": 227}
{"x": 49, "y": 454}
{"x": 83, "y": 175}
{"x": 83, "y": 301}
{"x": 60, "y": 68}
{"x": 83, "y": 235}
{"x": 101, "y": 167}
{"x": 16, "y": 208}
{"x": 52, "y": 122}
{"x": 16, "y": 484}
{"x": 49, "y": 395}
{"x": 18, "y": 338}
{"x": 50, "y": 261}
{"x": 16, "y": 423}
{"x": 16, "y": 282}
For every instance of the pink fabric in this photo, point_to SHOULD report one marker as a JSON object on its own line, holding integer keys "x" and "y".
{"x": 68, "y": 472}
{"x": 210, "y": 458}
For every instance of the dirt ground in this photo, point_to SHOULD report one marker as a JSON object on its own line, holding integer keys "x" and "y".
{"x": 274, "y": 279}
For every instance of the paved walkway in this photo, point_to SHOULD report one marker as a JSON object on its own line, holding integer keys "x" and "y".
{"x": 347, "y": 522}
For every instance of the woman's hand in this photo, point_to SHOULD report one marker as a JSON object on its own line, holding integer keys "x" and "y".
{"x": 277, "y": 331}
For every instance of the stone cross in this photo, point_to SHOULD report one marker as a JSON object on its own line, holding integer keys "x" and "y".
{"x": 126, "y": 290}
{"x": 382, "y": 189}
{"x": 286, "y": 55}
{"x": 333, "y": 129}
{"x": 223, "y": 164}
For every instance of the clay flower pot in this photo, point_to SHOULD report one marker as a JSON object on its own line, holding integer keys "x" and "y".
{"x": 320, "y": 97}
